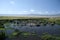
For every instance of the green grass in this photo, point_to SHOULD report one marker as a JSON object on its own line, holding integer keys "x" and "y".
{"x": 14, "y": 33}
{"x": 47, "y": 36}
{"x": 2, "y": 28}
{"x": 25, "y": 17}
{"x": 25, "y": 33}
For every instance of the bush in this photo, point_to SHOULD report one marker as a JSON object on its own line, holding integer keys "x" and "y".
{"x": 2, "y": 36}
{"x": 46, "y": 36}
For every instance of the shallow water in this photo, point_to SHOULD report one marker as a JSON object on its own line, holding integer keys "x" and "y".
{"x": 39, "y": 30}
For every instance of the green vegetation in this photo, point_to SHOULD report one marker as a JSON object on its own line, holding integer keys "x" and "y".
{"x": 2, "y": 32}
{"x": 44, "y": 36}
{"x": 36, "y": 20}
{"x": 25, "y": 33}
{"x": 25, "y": 20}
{"x": 2, "y": 28}
{"x": 58, "y": 21}
{"x": 49, "y": 37}
{"x": 2, "y": 36}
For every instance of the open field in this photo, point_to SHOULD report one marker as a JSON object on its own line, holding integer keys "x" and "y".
{"x": 26, "y": 17}
{"x": 31, "y": 19}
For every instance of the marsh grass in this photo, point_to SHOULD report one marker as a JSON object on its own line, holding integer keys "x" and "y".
{"x": 38, "y": 21}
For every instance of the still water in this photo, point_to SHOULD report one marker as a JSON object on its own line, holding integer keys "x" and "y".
{"x": 54, "y": 30}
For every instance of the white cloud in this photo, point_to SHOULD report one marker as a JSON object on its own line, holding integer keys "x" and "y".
{"x": 12, "y": 2}
{"x": 25, "y": 11}
{"x": 32, "y": 10}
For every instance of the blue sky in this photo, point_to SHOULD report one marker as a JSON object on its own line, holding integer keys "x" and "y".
{"x": 29, "y": 6}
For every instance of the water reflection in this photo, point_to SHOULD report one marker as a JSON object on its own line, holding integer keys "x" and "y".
{"x": 39, "y": 30}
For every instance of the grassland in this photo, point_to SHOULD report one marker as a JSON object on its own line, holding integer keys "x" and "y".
{"x": 51, "y": 19}
{"x": 27, "y": 17}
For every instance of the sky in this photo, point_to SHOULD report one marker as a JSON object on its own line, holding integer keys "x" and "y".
{"x": 30, "y": 7}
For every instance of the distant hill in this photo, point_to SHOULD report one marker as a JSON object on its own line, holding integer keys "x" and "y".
{"x": 44, "y": 14}
{"x": 29, "y": 14}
